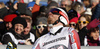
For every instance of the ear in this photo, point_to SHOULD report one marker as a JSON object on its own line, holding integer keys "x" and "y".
{"x": 63, "y": 20}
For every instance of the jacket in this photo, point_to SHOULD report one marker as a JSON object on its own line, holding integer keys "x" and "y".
{"x": 64, "y": 38}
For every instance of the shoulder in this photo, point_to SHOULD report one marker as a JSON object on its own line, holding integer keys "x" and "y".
{"x": 8, "y": 34}
{"x": 45, "y": 36}
{"x": 31, "y": 34}
{"x": 68, "y": 28}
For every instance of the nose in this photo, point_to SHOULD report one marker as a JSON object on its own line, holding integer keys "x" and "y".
{"x": 42, "y": 28}
{"x": 97, "y": 34}
{"x": 50, "y": 14}
{"x": 9, "y": 24}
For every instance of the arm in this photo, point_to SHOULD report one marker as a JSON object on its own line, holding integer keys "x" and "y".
{"x": 82, "y": 33}
{"x": 37, "y": 44}
{"x": 74, "y": 40}
{"x": 96, "y": 12}
{"x": 35, "y": 10}
{"x": 6, "y": 39}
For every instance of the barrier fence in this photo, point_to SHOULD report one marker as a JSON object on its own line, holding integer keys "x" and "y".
{"x": 30, "y": 47}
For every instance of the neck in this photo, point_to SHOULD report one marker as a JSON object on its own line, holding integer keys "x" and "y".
{"x": 59, "y": 24}
{"x": 55, "y": 28}
{"x": 50, "y": 26}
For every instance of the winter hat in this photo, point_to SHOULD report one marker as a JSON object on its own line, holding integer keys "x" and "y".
{"x": 9, "y": 18}
{"x": 75, "y": 19}
{"x": 42, "y": 20}
{"x": 19, "y": 20}
{"x": 31, "y": 4}
{"x": 88, "y": 11}
{"x": 72, "y": 13}
{"x": 15, "y": 2}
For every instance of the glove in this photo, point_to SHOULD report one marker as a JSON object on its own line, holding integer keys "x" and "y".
{"x": 94, "y": 23}
{"x": 11, "y": 46}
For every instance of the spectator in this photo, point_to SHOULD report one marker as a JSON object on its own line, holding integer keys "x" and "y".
{"x": 35, "y": 12}
{"x": 29, "y": 36}
{"x": 72, "y": 13}
{"x": 73, "y": 18}
{"x": 83, "y": 21}
{"x": 86, "y": 3}
{"x": 51, "y": 5}
{"x": 30, "y": 5}
{"x": 65, "y": 3}
{"x": 49, "y": 1}
{"x": 8, "y": 19}
{"x": 2, "y": 28}
{"x": 16, "y": 35}
{"x": 96, "y": 12}
{"x": 41, "y": 27}
{"x": 92, "y": 38}
{"x": 89, "y": 31}
{"x": 42, "y": 11}
{"x": 57, "y": 38}
{"x": 78, "y": 7}
{"x": 94, "y": 3}
{"x": 73, "y": 22}
{"x": 3, "y": 10}
{"x": 26, "y": 14}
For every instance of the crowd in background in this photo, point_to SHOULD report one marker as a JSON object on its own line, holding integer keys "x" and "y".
{"x": 23, "y": 23}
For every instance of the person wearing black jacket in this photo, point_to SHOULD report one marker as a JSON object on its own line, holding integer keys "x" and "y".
{"x": 85, "y": 30}
{"x": 16, "y": 33}
{"x": 29, "y": 33}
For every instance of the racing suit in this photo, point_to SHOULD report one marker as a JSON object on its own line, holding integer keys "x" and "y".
{"x": 61, "y": 38}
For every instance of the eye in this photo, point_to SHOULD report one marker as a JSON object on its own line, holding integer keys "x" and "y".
{"x": 38, "y": 27}
{"x": 84, "y": 22}
{"x": 79, "y": 21}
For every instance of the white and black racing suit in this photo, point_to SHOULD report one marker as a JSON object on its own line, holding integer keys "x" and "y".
{"x": 63, "y": 38}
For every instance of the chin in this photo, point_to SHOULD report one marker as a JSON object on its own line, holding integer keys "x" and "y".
{"x": 95, "y": 38}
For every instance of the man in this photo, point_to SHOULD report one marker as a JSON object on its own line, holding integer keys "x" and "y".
{"x": 59, "y": 37}
{"x": 65, "y": 3}
{"x": 8, "y": 19}
{"x": 94, "y": 3}
{"x": 78, "y": 7}
{"x": 28, "y": 35}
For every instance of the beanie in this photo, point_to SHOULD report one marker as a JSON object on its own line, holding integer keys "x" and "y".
{"x": 19, "y": 20}
{"x": 31, "y": 4}
{"x": 72, "y": 13}
{"x": 75, "y": 19}
{"x": 42, "y": 20}
{"x": 9, "y": 18}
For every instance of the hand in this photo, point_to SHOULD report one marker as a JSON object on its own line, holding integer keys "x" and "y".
{"x": 0, "y": 43}
{"x": 94, "y": 23}
{"x": 15, "y": 6}
{"x": 27, "y": 42}
{"x": 37, "y": 2}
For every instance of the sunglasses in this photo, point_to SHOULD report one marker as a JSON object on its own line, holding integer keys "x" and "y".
{"x": 84, "y": 22}
{"x": 40, "y": 26}
{"x": 55, "y": 11}
{"x": 64, "y": 5}
{"x": 72, "y": 24}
